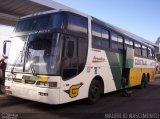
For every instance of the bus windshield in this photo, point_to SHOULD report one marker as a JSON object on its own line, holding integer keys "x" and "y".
{"x": 42, "y": 22}
{"x": 38, "y": 54}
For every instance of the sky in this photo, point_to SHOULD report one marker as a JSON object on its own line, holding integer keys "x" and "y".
{"x": 140, "y": 17}
{"x": 5, "y": 33}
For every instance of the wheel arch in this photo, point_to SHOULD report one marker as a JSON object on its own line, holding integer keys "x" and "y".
{"x": 100, "y": 79}
{"x": 148, "y": 76}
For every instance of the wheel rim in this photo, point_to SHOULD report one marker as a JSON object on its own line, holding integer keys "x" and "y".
{"x": 95, "y": 92}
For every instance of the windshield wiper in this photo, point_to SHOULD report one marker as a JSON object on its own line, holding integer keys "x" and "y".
{"x": 31, "y": 64}
{"x": 32, "y": 69}
{"x": 16, "y": 61}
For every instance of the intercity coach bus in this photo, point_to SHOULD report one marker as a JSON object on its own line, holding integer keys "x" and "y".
{"x": 62, "y": 56}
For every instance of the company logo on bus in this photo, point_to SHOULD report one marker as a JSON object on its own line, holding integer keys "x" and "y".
{"x": 98, "y": 59}
{"x": 74, "y": 90}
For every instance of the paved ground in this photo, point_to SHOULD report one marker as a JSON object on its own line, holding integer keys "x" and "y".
{"x": 141, "y": 101}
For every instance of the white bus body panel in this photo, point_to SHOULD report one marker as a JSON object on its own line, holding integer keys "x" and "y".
{"x": 32, "y": 93}
{"x": 91, "y": 70}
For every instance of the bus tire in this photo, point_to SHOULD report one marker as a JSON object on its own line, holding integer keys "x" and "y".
{"x": 0, "y": 90}
{"x": 123, "y": 82}
{"x": 148, "y": 78}
{"x": 143, "y": 82}
{"x": 94, "y": 91}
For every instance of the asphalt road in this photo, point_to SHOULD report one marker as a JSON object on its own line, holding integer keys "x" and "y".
{"x": 141, "y": 101}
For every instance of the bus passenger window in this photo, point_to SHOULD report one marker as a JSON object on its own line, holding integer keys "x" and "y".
{"x": 114, "y": 38}
{"x": 117, "y": 42}
{"x": 138, "y": 49}
{"x": 105, "y": 34}
{"x": 128, "y": 43}
{"x": 120, "y": 41}
{"x": 153, "y": 54}
{"x": 96, "y": 30}
{"x": 144, "y": 51}
{"x": 100, "y": 37}
{"x": 77, "y": 23}
{"x": 149, "y": 53}
{"x": 96, "y": 42}
{"x": 105, "y": 39}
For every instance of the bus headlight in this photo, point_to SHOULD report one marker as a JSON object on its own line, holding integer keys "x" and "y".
{"x": 46, "y": 84}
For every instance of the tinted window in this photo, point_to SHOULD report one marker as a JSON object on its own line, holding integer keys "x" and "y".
{"x": 82, "y": 53}
{"x": 120, "y": 41}
{"x": 40, "y": 22}
{"x": 138, "y": 49}
{"x": 96, "y": 42}
{"x": 70, "y": 59}
{"x": 96, "y": 30}
{"x": 153, "y": 53}
{"x": 117, "y": 42}
{"x": 150, "y": 53}
{"x": 105, "y": 34}
{"x": 77, "y": 23}
{"x": 100, "y": 43}
{"x": 128, "y": 43}
{"x": 144, "y": 51}
{"x": 56, "y": 21}
{"x": 114, "y": 37}
{"x": 70, "y": 49}
{"x": 74, "y": 56}
{"x": 100, "y": 37}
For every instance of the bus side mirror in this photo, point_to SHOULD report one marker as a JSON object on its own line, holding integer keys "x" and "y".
{"x": 5, "y": 48}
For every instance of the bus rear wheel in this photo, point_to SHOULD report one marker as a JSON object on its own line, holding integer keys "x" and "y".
{"x": 144, "y": 82}
{"x": 148, "y": 78}
{"x": 94, "y": 92}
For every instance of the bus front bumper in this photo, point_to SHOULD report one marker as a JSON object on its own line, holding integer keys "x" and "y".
{"x": 30, "y": 92}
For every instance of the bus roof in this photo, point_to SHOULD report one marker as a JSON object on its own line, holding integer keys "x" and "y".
{"x": 114, "y": 28}
{"x": 126, "y": 33}
{"x": 54, "y": 11}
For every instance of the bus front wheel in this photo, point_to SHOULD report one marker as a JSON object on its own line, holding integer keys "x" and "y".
{"x": 94, "y": 91}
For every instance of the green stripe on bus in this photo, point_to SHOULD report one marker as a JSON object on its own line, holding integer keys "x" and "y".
{"x": 116, "y": 64}
{"x": 33, "y": 78}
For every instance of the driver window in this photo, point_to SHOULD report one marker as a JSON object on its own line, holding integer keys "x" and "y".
{"x": 70, "y": 47}
{"x": 70, "y": 58}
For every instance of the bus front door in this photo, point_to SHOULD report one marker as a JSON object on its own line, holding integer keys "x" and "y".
{"x": 69, "y": 57}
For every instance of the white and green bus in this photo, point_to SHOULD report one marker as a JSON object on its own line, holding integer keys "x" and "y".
{"x": 62, "y": 56}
